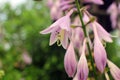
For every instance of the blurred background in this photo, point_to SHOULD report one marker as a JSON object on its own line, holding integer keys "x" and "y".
{"x": 25, "y": 54}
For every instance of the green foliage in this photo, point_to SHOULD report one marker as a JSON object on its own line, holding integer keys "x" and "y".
{"x": 20, "y": 31}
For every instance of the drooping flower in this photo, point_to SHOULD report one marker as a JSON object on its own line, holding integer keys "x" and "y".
{"x": 113, "y": 10}
{"x": 82, "y": 68}
{"x": 99, "y": 2}
{"x": 114, "y": 70}
{"x": 99, "y": 52}
{"x": 70, "y": 61}
{"x": 55, "y": 11}
{"x": 66, "y": 4}
{"x": 60, "y": 30}
{"x": 78, "y": 37}
{"x": 26, "y": 58}
{"x": 101, "y": 32}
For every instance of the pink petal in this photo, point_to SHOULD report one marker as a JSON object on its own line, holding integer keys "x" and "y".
{"x": 99, "y": 52}
{"x": 112, "y": 8}
{"x": 67, "y": 7}
{"x": 65, "y": 23}
{"x": 66, "y": 2}
{"x": 99, "y": 55}
{"x": 102, "y": 33}
{"x": 82, "y": 69}
{"x": 53, "y": 38}
{"x": 70, "y": 62}
{"x": 50, "y": 29}
{"x": 115, "y": 71}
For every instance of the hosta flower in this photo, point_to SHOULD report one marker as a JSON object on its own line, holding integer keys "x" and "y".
{"x": 70, "y": 61}
{"x": 99, "y": 2}
{"x": 78, "y": 37}
{"x": 66, "y": 4}
{"x": 82, "y": 68}
{"x": 55, "y": 11}
{"x": 60, "y": 30}
{"x": 102, "y": 33}
{"x": 99, "y": 52}
{"x": 114, "y": 70}
{"x": 113, "y": 10}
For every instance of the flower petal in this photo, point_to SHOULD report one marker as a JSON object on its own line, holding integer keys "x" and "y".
{"x": 115, "y": 71}
{"x": 102, "y": 33}
{"x": 53, "y": 38}
{"x": 65, "y": 23}
{"x": 99, "y": 52}
{"x": 99, "y": 55}
{"x": 70, "y": 61}
{"x": 82, "y": 70}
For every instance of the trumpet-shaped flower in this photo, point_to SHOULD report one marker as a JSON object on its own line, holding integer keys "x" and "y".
{"x": 99, "y": 52}
{"x": 82, "y": 68}
{"x": 70, "y": 61}
{"x": 113, "y": 10}
{"x": 78, "y": 37}
{"x": 60, "y": 30}
{"x": 101, "y": 32}
{"x": 115, "y": 71}
{"x": 66, "y": 4}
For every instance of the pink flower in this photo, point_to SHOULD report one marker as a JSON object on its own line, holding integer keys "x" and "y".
{"x": 55, "y": 11}
{"x": 66, "y": 4}
{"x": 101, "y": 32}
{"x": 70, "y": 61}
{"x": 115, "y": 71}
{"x": 99, "y": 51}
{"x": 60, "y": 30}
{"x": 78, "y": 37}
{"x": 50, "y": 3}
{"x": 82, "y": 68}
{"x": 113, "y": 11}
{"x": 99, "y": 2}
{"x": 26, "y": 58}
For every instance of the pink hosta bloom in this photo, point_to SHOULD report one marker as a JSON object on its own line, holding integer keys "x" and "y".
{"x": 113, "y": 10}
{"x": 50, "y": 3}
{"x": 101, "y": 32}
{"x": 26, "y": 58}
{"x": 70, "y": 61}
{"x": 60, "y": 30}
{"x": 66, "y": 4}
{"x": 78, "y": 37}
{"x": 55, "y": 11}
{"x": 99, "y": 2}
{"x": 99, "y": 52}
{"x": 115, "y": 71}
{"x": 82, "y": 68}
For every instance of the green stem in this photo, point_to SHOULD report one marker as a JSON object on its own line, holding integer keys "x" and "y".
{"x": 85, "y": 34}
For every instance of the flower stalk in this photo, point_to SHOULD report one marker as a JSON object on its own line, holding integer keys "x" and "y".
{"x": 85, "y": 34}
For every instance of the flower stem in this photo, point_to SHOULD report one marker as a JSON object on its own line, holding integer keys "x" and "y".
{"x": 85, "y": 34}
